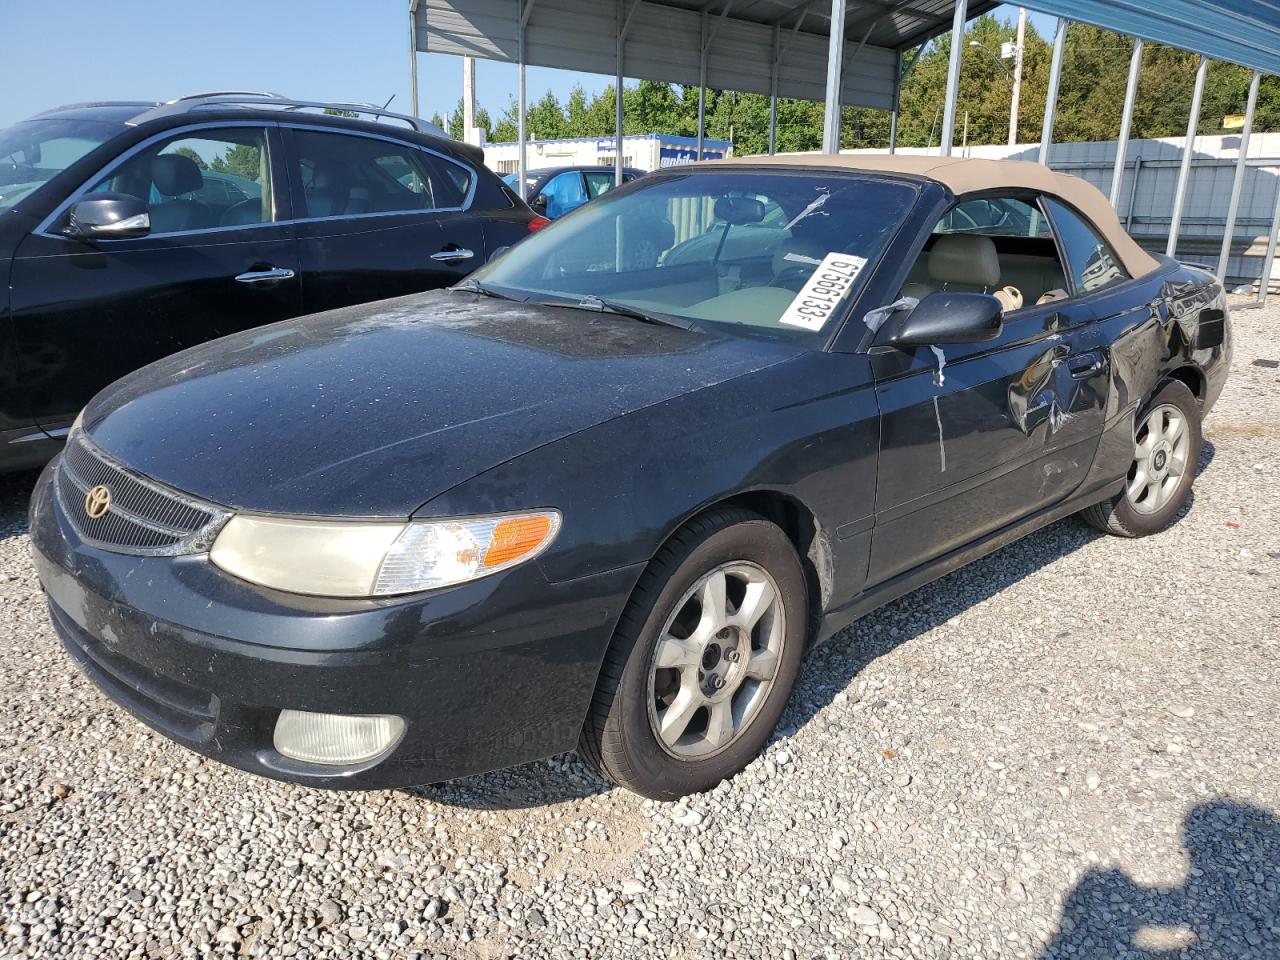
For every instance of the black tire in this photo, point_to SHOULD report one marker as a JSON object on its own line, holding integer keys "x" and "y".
{"x": 1119, "y": 516}
{"x": 618, "y": 737}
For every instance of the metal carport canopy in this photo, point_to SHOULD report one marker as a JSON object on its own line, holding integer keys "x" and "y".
{"x": 664, "y": 39}
{"x": 1245, "y": 32}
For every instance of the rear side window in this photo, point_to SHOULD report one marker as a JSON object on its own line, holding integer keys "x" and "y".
{"x": 994, "y": 217}
{"x": 343, "y": 175}
{"x": 1092, "y": 264}
{"x": 599, "y": 182}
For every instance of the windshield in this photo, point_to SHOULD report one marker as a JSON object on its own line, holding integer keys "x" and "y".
{"x": 759, "y": 253}
{"x": 35, "y": 151}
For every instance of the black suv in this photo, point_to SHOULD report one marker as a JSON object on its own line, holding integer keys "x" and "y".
{"x": 129, "y": 231}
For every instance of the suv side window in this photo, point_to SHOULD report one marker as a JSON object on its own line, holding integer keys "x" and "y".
{"x": 1093, "y": 266}
{"x": 600, "y": 182}
{"x": 200, "y": 180}
{"x": 349, "y": 175}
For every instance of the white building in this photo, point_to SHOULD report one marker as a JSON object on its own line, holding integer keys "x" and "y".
{"x": 646, "y": 152}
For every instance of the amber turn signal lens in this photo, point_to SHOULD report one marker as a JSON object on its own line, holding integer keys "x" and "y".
{"x": 514, "y": 538}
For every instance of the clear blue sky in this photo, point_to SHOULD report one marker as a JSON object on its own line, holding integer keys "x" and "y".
{"x": 62, "y": 51}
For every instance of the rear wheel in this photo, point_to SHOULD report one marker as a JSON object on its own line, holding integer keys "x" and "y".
{"x": 703, "y": 660}
{"x": 1166, "y": 450}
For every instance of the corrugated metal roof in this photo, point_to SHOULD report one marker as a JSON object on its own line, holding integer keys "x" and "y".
{"x": 663, "y": 39}
{"x": 1246, "y": 32}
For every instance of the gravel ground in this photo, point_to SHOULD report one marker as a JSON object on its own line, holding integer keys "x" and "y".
{"x": 1068, "y": 749}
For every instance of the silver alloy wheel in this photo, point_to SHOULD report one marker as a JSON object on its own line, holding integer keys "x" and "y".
{"x": 716, "y": 660}
{"x": 1159, "y": 459}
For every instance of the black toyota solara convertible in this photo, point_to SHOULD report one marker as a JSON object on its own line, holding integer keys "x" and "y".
{"x": 607, "y": 491}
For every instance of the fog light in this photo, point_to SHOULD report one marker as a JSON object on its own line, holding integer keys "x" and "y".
{"x": 335, "y": 738}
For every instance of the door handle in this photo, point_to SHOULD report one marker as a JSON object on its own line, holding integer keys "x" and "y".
{"x": 454, "y": 255}
{"x": 1085, "y": 365}
{"x": 265, "y": 276}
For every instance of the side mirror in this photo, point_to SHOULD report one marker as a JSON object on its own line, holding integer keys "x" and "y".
{"x": 108, "y": 216}
{"x": 945, "y": 317}
{"x": 539, "y": 204}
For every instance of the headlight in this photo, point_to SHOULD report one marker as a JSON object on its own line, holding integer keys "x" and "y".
{"x": 334, "y": 558}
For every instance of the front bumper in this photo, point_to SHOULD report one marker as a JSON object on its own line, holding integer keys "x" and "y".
{"x": 488, "y": 674}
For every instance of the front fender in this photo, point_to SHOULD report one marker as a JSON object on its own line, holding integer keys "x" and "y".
{"x": 806, "y": 428}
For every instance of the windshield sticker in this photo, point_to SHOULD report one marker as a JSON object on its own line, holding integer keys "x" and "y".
{"x": 823, "y": 292}
{"x": 800, "y": 258}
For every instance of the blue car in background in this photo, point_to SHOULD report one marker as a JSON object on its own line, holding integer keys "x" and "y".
{"x": 554, "y": 191}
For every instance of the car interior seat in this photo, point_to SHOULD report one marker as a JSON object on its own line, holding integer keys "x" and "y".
{"x": 174, "y": 175}
{"x": 330, "y": 189}
{"x": 244, "y": 213}
{"x": 966, "y": 263}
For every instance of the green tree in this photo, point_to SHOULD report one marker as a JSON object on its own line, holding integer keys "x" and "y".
{"x": 240, "y": 160}
{"x": 192, "y": 155}
{"x": 545, "y": 120}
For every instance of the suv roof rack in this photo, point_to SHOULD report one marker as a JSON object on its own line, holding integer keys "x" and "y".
{"x": 267, "y": 99}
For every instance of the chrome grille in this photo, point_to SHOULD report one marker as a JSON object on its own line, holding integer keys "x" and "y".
{"x": 144, "y": 517}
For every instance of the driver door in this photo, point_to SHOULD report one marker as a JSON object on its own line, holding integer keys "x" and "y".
{"x": 977, "y": 436}
{"x": 220, "y": 257}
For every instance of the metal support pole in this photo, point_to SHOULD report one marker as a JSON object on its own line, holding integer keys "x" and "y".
{"x": 897, "y": 102}
{"x": 835, "y": 74}
{"x": 773, "y": 90}
{"x": 953, "y": 78}
{"x": 1016, "y": 95}
{"x": 1264, "y": 284}
{"x": 617, "y": 96}
{"x": 1126, "y": 119}
{"x": 1051, "y": 99}
{"x": 702, "y": 84}
{"x": 1188, "y": 148}
{"x": 413, "y": 58}
{"x": 520, "y": 108}
{"x": 1233, "y": 207}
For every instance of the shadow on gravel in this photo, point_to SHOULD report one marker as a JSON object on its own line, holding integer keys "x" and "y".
{"x": 1228, "y": 908}
{"x": 538, "y": 784}
{"x": 15, "y": 492}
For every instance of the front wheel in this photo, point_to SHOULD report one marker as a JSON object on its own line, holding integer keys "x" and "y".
{"x": 1166, "y": 450}
{"x": 703, "y": 659}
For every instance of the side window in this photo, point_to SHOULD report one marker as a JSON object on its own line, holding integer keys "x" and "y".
{"x": 564, "y": 193}
{"x": 598, "y": 182}
{"x": 1093, "y": 266}
{"x": 216, "y": 178}
{"x": 346, "y": 175}
{"x": 994, "y": 217}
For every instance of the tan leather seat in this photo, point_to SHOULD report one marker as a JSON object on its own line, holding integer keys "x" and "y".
{"x": 968, "y": 263}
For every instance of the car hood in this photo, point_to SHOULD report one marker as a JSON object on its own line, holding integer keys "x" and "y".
{"x": 374, "y": 410}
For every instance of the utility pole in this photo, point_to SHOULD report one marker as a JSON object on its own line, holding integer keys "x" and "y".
{"x": 468, "y": 97}
{"x": 1017, "y": 77}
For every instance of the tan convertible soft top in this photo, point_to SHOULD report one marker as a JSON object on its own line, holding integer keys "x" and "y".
{"x": 974, "y": 175}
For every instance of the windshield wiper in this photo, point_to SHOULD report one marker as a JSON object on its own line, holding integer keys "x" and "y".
{"x": 601, "y": 305}
{"x": 475, "y": 286}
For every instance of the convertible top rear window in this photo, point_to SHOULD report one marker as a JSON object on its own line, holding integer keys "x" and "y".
{"x": 735, "y": 249}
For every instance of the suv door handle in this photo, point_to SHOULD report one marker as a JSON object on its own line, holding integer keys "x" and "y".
{"x": 265, "y": 276}
{"x": 454, "y": 255}
{"x": 1085, "y": 365}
